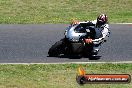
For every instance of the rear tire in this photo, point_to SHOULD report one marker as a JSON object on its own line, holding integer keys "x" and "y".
{"x": 56, "y": 49}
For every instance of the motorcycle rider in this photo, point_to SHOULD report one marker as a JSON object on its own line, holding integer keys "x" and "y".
{"x": 100, "y": 29}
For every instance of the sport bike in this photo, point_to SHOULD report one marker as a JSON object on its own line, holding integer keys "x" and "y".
{"x": 73, "y": 42}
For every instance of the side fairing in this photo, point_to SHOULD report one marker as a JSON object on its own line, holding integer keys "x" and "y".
{"x": 72, "y": 35}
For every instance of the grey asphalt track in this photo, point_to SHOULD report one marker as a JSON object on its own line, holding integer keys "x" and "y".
{"x": 29, "y": 43}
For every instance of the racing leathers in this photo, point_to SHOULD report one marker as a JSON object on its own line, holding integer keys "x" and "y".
{"x": 101, "y": 35}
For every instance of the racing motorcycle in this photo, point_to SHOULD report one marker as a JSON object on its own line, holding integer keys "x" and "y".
{"x": 74, "y": 41}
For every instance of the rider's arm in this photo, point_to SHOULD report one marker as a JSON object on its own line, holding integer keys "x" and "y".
{"x": 91, "y": 23}
{"x": 105, "y": 35}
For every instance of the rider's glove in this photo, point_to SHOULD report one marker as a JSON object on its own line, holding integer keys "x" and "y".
{"x": 88, "y": 41}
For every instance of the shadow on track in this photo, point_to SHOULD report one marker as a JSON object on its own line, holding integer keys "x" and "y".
{"x": 78, "y": 57}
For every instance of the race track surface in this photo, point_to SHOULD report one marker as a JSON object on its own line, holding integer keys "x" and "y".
{"x": 30, "y": 44}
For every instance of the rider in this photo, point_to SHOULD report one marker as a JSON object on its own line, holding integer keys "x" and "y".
{"x": 100, "y": 28}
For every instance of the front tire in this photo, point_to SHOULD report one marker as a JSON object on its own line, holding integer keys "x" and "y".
{"x": 56, "y": 49}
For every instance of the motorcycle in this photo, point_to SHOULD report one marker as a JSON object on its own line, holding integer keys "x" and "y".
{"x": 74, "y": 41}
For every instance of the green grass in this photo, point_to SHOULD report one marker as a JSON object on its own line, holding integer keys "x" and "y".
{"x": 63, "y": 11}
{"x": 57, "y": 76}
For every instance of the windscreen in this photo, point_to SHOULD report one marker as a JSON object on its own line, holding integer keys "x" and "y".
{"x": 81, "y": 28}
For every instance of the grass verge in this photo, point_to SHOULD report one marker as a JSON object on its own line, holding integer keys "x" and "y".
{"x": 57, "y": 76}
{"x": 63, "y": 11}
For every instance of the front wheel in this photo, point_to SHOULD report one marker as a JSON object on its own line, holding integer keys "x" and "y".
{"x": 56, "y": 49}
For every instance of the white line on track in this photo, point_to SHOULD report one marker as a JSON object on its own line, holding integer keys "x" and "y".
{"x": 119, "y": 62}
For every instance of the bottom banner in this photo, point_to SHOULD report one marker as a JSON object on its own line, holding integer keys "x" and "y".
{"x": 103, "y": 78}
{"x": 83, "y": 78}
